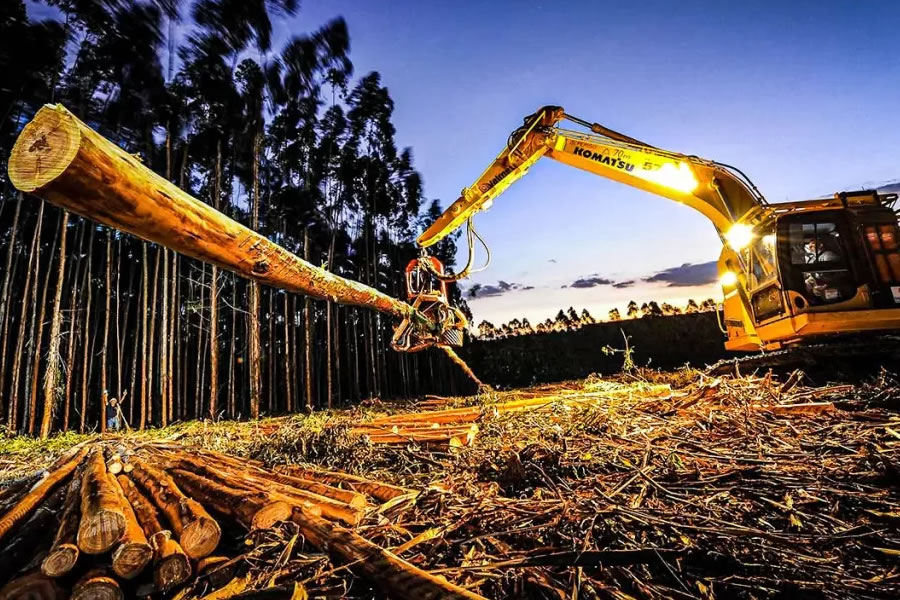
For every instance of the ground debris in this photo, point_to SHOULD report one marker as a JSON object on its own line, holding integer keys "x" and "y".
{"x": 654, "y": 485}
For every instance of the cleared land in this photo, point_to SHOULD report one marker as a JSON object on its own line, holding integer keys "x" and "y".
{"x": 647, "y": 486}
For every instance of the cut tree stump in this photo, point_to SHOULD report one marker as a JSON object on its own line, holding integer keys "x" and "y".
{"x": 198, "y": 533}
{"x": 64, "y": 552}
{"x": 102, "y": 515}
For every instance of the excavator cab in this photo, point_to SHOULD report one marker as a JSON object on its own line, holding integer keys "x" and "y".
{"x": 426, "y": 290}
{"x": 815, "y": 268}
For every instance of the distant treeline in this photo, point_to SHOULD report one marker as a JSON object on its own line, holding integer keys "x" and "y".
{"x": 571, "y": 320}
{"x": 665, "y": 343}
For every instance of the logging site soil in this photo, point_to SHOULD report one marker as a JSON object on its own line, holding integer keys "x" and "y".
{"x": 647, "y": 485}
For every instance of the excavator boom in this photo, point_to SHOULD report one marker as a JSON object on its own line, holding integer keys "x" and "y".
{"x": 719, "y": 192}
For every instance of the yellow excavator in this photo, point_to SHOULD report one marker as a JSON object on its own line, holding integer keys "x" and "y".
{"x": 790, "y": 272}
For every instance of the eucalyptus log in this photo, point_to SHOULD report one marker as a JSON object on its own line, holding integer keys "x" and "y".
{"x": 62, "y": 160}
{"x": 32, "y": 586}
{"x": 171, "y": 564}
{"x": 96, "y": 584}
{"x": 36, "y": 495}
{"x": 251, "y": 480}
{"x": 102, "y": 515}
{"x": 133, "y": 552}
{"x": 253, "y": 510}
{"x": 377, "y": 489}
{"x": 64, "y": 552}
{"x": 396, "y": 577}
{"x": 198, "y": 533}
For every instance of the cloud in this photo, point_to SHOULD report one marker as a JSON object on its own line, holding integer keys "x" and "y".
{"x": 592, "y": 281}
{"x": 479, "y": 290}
{"x": 686, "y": 275}
{"x": 621, "y": 285}
{"x": 552, "y": 260}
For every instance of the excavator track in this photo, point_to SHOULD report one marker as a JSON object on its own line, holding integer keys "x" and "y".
{"x": 878, "y": 351}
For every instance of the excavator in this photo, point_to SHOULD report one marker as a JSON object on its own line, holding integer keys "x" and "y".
{"x": 792, "y": 273}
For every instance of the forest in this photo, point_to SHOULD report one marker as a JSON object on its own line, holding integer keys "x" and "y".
{"x": 282, "y": 136}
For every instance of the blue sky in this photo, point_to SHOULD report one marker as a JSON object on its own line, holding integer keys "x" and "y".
{"x": 801, "y": 95}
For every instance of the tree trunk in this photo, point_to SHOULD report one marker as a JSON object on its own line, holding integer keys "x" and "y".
{"x": 38, "y": 337}
{"x": 85, "y": 375}
{"x": 4, "y": 299}
{"x": 104, "y": 383}
{"x": 20, "y": 339}
{"x": 64, "y": 552}
{"x": 253, "y": 321}
{"x": 102, "y": 516}
{"x": 164, "y": 341}
{"x": 51, "y": 377}
{"x": 144, "y": 337}
{"x": 151, "y": 345}
{"x": 133, "y": 552}
{"x": 214, "y": 303}
{"x": 307, "y": 333}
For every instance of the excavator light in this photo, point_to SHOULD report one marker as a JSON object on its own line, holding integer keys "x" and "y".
{"x": 739, "y": 236}
{"x": 728, "y": 279}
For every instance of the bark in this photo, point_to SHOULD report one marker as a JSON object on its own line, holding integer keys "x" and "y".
{"x": 152, "y": 335}
{"x": 30, "y": 540}
{"x": 102, "y": 514}
{"x": 164, "y": 342}
{"x": 198, "y": 532}
{"x": 214, "y": 303}
{"x": 64, "y": 552}
{"x": 307, "y": 339}
{"x": 288, "y": 380}
{"x": 51, "y": 377}
{"x": 70, "y": 351}
{"x": 377, "y": 489}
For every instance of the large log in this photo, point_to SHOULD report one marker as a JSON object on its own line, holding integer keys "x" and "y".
{"x": 102, "y": 516}
{"x": 60, "y": 159}
{"x": 26, "y": 505}
{"x": 396, "y": 577}
{"x": 171, "y": 565}
{"x": 64, "y": 552}
{"x": 32, "y": 586}
{"x": 255, "y": 510}
{"x": 197, "y": 532}
{"x": 133, "y": 552}
{"x": 226, "y": 474}
{"x": 377, "y": 489}
{"x": 25, "y": 548}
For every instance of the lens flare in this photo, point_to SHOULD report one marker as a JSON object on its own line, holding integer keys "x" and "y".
{"x": 739, "y": 236}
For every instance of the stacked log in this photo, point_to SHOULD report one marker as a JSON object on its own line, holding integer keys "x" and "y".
{"x": 109, "y": 528}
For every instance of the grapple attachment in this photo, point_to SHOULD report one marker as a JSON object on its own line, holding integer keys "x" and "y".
{"x": 426, "y": 290}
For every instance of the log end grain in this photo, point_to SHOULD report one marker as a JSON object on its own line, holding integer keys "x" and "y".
{"x": 97, "y": 586}
{"x": 46, "y": 146}
{"x": 200, "y": 537}
{"x": 60, "y": 560}
{"x": 130, "y": 558}
{"x": 98, "y": 533}
{"x": 270, "y": 514}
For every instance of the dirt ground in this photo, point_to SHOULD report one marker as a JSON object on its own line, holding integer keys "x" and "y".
{"x": 651, "y": 485}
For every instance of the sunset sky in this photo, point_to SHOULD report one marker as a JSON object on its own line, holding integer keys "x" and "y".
{"x": 802, "y": 96}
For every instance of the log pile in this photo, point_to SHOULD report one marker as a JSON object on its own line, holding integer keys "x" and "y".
{"x": 99, "y": 532}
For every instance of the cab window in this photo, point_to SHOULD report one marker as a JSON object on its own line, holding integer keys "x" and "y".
{"x": 818, "y": 256}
